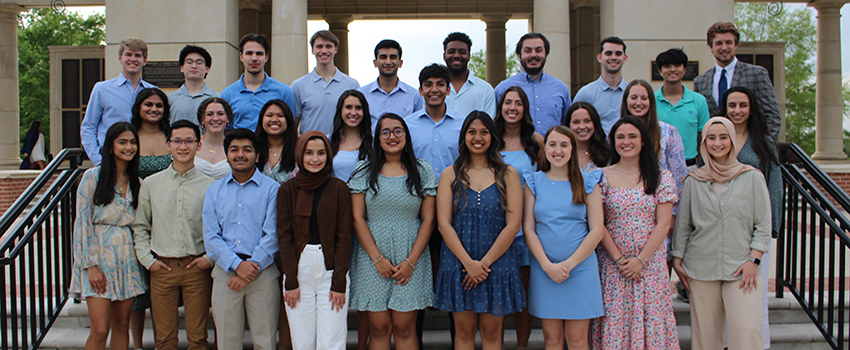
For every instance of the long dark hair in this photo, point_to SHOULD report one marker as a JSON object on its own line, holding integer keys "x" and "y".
{"x": 104, "y": 192}
{"x": 164, "y": 122}
{"x": 364, "y": 127}
{"x": 649, "y": 171}
{"x": 652, "y": 125}
{"x": 573, "y": 166}
{"x": 526, "y": 126}
{"x": 757, "y": 127}
{"x": 600, "y": 154}
{"x": 290, "y": 136}
{"x": 494, "y": 160}
{"x": 408, "y": 160}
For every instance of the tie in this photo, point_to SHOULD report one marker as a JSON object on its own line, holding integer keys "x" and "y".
{"x": 722, "y": 86}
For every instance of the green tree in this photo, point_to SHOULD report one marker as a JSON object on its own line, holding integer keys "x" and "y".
{"x": 38, "y": 29}
{"x": 796, "y": 27}
{"x": 478, "y": 66}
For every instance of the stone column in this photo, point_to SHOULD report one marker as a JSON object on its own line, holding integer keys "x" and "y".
{"x": 496, "y": 60}
{"x": 9, "y": 107}
{"x": 289, "y": 39}
{"x": 829, "y": 100}
{"x": 339, "y": 26}
{"x": 249, "y": 16}
{"x": 552, "y": 18}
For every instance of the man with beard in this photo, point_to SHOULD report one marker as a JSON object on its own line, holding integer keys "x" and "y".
{"x": 606, "y": 93}
{"x": 548, "y": 97}
{"x": 254, "y": 88}
{"x": 728, "y": 72}
{"x": 467, "y": 92}
{"x": 388, "y": 94}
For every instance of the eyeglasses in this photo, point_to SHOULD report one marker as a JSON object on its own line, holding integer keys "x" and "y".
{"x": 179, "y": 143}
{"x": 190, "y": 62}
{"x": 397, "y": 132}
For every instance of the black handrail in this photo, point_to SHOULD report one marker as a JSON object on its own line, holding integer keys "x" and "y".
{"x": 813, "y": 245}
{"x": 35, "y": 254}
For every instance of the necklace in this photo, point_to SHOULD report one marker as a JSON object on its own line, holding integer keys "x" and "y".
{"x": 512, "y": 142}
{"x": 632, "y": 173}
{"x": 479, "y": 168}
{"x": 275, "y": 154}
{"x": 213, "y": 151}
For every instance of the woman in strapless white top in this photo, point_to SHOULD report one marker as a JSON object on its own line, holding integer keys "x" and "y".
{"x": 214, "y": 115}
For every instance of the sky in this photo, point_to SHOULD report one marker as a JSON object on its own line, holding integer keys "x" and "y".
{"x": 422, "y": 44}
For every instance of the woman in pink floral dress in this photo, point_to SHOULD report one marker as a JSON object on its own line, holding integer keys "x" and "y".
{"x": 638, "y": 198}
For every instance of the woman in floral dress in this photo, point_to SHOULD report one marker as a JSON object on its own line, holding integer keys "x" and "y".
{"x": 638, "y": 198}
{"x": 105, "y": 270}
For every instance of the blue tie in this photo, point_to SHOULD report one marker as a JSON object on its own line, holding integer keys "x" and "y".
{"x": 722, "y": 86}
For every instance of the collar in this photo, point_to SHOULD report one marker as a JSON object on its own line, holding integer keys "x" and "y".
{"x": 528, "y": 77}
{"x": 124, "y": 80}
{"x": 375, "y": 85}
{"x": 205, "y": 91}
{"x": 254, "y": 178}
{"x": 315, "y": 77}
{"x": 188, "y": 175}
{"x": 687, "y": 95}
{"x": 264, "y": 86}
{"x": 605, "y": 87}
{"x": 731, "y": 66}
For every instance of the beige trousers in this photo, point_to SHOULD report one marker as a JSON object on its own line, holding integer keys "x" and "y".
{"x": 715, "y": 303}
{"x": 259, "y": 300}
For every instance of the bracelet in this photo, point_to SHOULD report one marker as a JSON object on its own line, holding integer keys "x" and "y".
{"x": 411, "y": 264}
{"x": 640, "y": 261}
{"x": 617, "y": 262}
{"x": 378, "y": 259}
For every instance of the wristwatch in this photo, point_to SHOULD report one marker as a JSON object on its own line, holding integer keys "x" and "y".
{"x": 755, "y": 260}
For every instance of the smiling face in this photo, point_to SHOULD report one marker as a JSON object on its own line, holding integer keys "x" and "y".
{"x": 324, "y": 51}
{"x": 638, "y": 101}
{"x": 512, "y": 108}
{"x": 388, "y": 62}
{"x": 352, "y": 111}
{"x": 582, "y": 125}
{"x": 183, "y": 145}
{"x": 723, "y": 47}
{"x": 253, "y": 57}
{"x": 315, "y": 156}
{"x": 673, "y": 73}
{"x": 738, "y": 108}
{"x": 151, "y": 109}
{"x": 392, "y": 136}
{"x": 558, "y": 148}
{"x": 456, "y": 57}
{"x": 533, "y": 55}
{"x": 274, "y": 123}
{"x": 194, "y": 67}
{"x": 124, "y": 147}
{"x": 477, "y": 137}
{"x": 434, "y": 90}
{"x": 627, "y": 141}
{"x": 718, "y": 142}
{"x": 612, "y": 57}
{"x": 215, "y": 118}
{"x": 132, "y": 61}
{"x": 242, "y": 156}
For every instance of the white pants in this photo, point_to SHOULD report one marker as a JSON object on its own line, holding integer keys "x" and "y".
{"x": 312, "y": 322}
{"x": 260, "y": 300}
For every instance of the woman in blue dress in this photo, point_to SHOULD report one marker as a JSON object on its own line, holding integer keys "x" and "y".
{"x": 393, "y": 207}
{"x": 520, "y": 149}
{"x": 562, "y": 236}
{"x": 479, "y": 209}
{"x": 351, "y": 138}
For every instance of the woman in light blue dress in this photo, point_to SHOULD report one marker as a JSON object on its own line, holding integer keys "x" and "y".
{"x": 277, "y": 134}
{"x": 563, "y": 223}
{"x": 520, "y": 150}
{"x": 591, "y": 142}
{"x": 351, "y": 139}
{"x": 393, "y": 196}
{"x": 105, "y": 271}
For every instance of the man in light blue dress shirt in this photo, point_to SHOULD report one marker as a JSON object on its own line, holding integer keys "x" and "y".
{"x": 606, "y": 93}
{"x": 240, "y": 236}
{"x": 254, "y": 88}
{"x": 549, "y": 97}
{"x": 467, "y": 92}
{"x": 388, "y": 94}
{"x": 195, "y": 63}
{"x": 317, "y": 92}
{"x": 112, "y": 101}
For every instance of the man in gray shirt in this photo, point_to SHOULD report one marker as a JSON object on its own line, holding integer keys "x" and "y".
{"x": 195, "y": 63}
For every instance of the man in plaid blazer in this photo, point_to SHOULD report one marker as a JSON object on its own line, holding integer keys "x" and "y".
{"x": 727, "y": 72}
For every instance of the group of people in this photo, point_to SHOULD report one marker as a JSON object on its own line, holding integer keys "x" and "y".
{"x": 292, "y": 205}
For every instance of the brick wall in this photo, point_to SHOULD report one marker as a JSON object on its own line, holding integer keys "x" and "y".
{"x": 12, "y": 184}
{"x": 841, "y": 177}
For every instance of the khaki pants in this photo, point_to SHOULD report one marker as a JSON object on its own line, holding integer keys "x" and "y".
{"x": 259, "y": 300}
{"x": 195, "y": 283}
{"x": 716, "y": 303}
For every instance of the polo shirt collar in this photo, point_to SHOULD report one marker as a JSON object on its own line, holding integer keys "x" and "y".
{"x": 687, "y": 95}
{"x": 263, "y": 87}
{"x": 604, "y": 86}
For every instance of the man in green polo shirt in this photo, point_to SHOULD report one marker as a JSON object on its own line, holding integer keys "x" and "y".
{"x": 678, "y": 106}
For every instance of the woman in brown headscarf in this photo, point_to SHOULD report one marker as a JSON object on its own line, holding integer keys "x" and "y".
{"x": 314, "y": 229}
{"x": 722, "y": 230}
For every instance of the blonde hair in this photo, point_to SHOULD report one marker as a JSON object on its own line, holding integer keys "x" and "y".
{"x": 133, "y": 44}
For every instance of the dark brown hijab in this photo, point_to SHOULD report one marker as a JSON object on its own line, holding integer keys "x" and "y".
{"x": 308, "y": 182}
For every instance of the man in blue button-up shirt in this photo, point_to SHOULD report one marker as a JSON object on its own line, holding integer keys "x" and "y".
{"x": 606, "y": 93}
{"x": 112, "y": 101}
{"x": 549, "y": 97}
{"x": 254, "y": 88}
{"x": 240, "y": 235}
{"x": 467, "y": 92}
{"x": 388, "y": 94}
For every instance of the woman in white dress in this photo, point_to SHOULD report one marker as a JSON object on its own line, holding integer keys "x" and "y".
{"x": 214, "y": 116}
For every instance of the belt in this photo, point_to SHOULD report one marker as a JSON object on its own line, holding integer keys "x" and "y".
{"x": 691, "y": 162}
{"x": 243, "y": 256}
